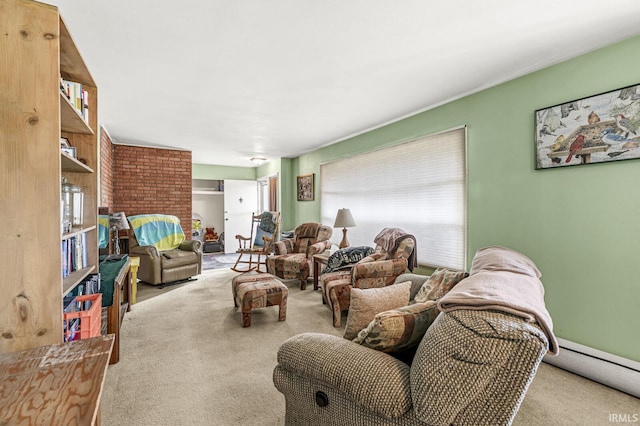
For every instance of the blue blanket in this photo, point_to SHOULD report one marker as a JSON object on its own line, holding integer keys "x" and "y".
{"x": 103, "y": 231}
{"x": 159, "y": 230}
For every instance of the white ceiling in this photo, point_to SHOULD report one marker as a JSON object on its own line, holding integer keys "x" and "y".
{"x": 229, "y": 79}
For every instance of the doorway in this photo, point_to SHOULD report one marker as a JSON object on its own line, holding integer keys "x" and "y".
{"x": 240, "y": 202}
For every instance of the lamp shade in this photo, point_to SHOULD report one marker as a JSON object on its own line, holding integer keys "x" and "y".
{"x": 344, "y": 219}
{"x": 119, "y": 221}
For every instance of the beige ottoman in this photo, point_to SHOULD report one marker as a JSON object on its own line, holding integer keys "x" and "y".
{"x": 258, "y": 291}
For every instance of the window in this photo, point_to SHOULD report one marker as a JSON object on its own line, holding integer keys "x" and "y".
{"x": 419, "y": 186}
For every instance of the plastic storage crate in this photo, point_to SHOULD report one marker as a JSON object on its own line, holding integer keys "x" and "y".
{"x": 89, "y": 322}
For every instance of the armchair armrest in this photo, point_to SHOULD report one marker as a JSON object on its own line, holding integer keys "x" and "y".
{"x": 150, "y": 269}
{"x": 318, "y": 248}
{"x": 150, "y": 251}
{"x": 191, "y": 245}
{"x": 284, "y": 246}
{"x": 379, "y": 273}
{"x": 371, "y": 378}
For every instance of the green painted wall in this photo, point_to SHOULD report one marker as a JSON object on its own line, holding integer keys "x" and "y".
{"x": 580, "y": 225}
{"x": 207, "y": 171}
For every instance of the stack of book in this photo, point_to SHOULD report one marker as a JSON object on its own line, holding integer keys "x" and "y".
{"x": 78, "y": 97}
{"x": 74, "y": 254}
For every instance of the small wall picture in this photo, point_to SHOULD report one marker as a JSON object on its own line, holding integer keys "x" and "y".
{"x": 596, "y": 129}
{"x": 305, "y": 187}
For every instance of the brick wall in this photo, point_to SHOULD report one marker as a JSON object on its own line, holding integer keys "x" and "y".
{"x": 152, "y": 180}
{"x": 106, "y": 169}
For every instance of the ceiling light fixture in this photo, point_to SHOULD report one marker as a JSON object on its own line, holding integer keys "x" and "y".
{"x": 258, "y": 161}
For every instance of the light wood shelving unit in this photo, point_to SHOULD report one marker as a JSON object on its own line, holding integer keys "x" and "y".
{"x": 34, "y": 114}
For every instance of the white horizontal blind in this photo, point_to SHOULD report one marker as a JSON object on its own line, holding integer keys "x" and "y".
{"x": 419, "y": 186}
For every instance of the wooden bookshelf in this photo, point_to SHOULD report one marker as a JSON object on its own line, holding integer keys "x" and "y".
{"x": 35, "y": 115}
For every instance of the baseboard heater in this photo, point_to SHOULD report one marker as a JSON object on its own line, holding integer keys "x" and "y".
{"x": 602, "y": 367}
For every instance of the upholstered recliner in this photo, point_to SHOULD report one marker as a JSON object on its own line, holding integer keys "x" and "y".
{"x": 473, "y": 365}
{"x": 293, "y": 258}
{"x": 164, "y": 254}
{"x": 395, "y": 252}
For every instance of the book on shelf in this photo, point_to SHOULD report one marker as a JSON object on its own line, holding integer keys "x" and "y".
{"x": 78, "y": 96}
{"x": 65, "y": 259}
{"x": 71, "y": 326}
{"x": 74, "y": 254}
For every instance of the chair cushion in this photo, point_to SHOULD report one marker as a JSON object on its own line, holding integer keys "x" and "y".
{"x": 398, "y": 329}
{"x": 307, "y": 230}
{"x": 365, "y": 304}
{"x": 346, "y": 257}
{"x": 258, "y": 241}
{"x": 439, "y": 284}
{"x": 174, "y": 258}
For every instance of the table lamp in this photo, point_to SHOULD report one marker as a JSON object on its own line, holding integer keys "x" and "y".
{"x": 117, "y": 222}
{"x": 344, "y": 220}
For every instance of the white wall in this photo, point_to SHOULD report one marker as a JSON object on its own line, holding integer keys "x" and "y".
{"x": 211, "y": 208}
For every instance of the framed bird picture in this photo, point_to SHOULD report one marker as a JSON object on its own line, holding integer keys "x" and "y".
{"x": 597, "y": 129}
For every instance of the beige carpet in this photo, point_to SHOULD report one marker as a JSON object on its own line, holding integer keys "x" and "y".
{"x": 186, "y": 360}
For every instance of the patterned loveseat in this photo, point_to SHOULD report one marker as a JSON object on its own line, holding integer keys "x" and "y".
{"x": 294, "y": 255}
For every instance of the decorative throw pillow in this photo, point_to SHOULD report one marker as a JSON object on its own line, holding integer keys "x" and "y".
{"x": 399, "y": 329}
{"x": 439, "y": 284}
{"x": 367, "y": 303}
{"x": 346, "y": 257}
{"x": 258, "y": 241}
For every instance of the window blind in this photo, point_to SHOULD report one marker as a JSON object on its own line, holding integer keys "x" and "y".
{"x": 419, "y": 186}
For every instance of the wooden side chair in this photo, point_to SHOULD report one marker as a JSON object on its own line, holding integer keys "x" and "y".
{"x": 253, "y": 250}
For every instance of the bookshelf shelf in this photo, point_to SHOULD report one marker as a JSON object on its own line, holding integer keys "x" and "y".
{"x": 70, "y": 118}
{"x": 70, "y": 164}
{"x": 77, "y": 231}
{"x": 74, "y": 278}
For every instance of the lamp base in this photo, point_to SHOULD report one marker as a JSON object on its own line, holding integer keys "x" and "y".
{"x": 344, "y": 243}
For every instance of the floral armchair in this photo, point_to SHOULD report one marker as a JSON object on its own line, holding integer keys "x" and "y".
{"x": 294, "y": 256}
{"x": 395, "y": 252}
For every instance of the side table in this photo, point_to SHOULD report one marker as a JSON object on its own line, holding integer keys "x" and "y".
{"x": 56, "y": 384}
{"x": 318, "y": 259}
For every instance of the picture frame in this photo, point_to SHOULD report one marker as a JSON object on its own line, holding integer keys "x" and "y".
{"x": 596, "y": 129}
{"x": 70, "y": 151}
{"x": 305, "y": 187}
